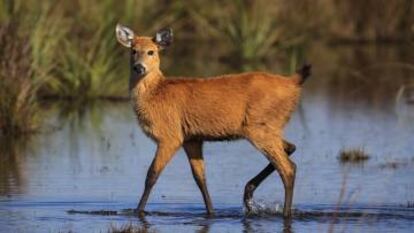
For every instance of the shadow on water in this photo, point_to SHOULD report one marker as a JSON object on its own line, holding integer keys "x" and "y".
{"x": 12, "y": 177}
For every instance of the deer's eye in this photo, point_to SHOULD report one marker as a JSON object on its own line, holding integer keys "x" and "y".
{"x": 134, "y": 51}
{"x": 151, "y": 52}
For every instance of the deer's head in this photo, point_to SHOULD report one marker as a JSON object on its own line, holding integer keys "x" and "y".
{"x": 144, "y": 50}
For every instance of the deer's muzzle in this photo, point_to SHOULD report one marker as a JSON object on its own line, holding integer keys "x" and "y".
{"x": 139, "y": 69}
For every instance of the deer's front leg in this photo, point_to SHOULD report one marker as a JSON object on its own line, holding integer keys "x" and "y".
{"x": 165, "y": 152}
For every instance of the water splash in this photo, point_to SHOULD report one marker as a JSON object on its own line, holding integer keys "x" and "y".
{"x": 263, "y": 208}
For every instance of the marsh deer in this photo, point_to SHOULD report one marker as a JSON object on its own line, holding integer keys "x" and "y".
{"x": 185, "y": 112}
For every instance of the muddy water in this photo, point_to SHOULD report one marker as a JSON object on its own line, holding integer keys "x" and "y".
{"x": 359, "y": 97}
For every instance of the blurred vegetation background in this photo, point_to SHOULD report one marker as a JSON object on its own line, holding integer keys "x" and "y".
{"x": 67, "y": 49}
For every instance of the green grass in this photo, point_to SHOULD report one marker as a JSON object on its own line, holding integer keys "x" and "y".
{"x": 250, "y": 32}
{"x": 87, "y": 68}
{"x": 250, "y": 35}
{"x": 73, "y": 46}
{"x": 91, "y": 63}
{"x": 83, "y": 52}
{"x": 18, "y": 104}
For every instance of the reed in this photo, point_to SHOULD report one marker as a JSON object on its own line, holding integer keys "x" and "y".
{"x": 249, "y": 30}
{"x": 357, "y": 155}
{"x": 72, "y": 45}
{"x": 18, "y": 106}
{"x": 130, "y": 228}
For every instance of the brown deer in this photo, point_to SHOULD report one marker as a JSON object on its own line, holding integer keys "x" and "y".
{"x": 185, "y": 112}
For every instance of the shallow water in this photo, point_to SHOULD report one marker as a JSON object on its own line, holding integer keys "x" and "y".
{"x": 97, "y": 160}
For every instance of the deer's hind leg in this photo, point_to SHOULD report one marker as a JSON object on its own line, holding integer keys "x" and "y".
{"x": 271, "y": 146}
{"x": 254, "y": 183}
{"x": 193, "y": 149}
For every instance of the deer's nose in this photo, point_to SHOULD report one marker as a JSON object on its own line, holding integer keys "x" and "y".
{"x": 139, "y": 68}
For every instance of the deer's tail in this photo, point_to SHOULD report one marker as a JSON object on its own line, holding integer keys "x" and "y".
{"x": 303, "y": 73}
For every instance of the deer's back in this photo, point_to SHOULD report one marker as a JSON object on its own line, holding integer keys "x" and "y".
{"x": 222, "y": 107}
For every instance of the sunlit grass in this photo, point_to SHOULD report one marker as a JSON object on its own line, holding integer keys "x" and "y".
{"x": 87, "y": 68}
{"x": 86, "y": 56}
{"x": 73, "y": 46}
{"x": 90, "y": 62}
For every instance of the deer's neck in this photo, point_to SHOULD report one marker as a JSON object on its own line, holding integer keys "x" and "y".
{"x": 140, "y": 87}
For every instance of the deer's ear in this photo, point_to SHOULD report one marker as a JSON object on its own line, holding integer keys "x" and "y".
{"x": 163, "y": 37}
{"x": 124, "y": 35}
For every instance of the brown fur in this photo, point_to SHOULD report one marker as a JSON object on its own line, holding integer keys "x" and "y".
{"x": 217, "y": 108}
{"x": 184, "y": 112}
